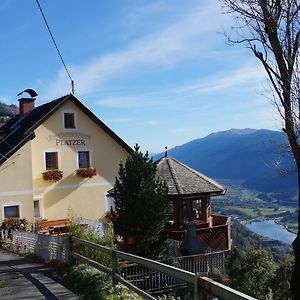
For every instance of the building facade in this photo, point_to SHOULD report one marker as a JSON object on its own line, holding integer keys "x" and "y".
{"x": 59, "y": 138}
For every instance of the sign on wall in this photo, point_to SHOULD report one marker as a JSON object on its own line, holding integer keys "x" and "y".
{"x": 69, "y": 138}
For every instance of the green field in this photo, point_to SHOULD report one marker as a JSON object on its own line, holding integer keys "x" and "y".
{"x": 250, "y": 204}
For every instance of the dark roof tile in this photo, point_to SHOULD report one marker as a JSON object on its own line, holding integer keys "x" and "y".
{"x": 183, "y": 180}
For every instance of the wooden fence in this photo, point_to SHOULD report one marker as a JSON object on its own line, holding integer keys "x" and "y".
{"x": 203, "y": 287}
{"x": 44, "y": 246}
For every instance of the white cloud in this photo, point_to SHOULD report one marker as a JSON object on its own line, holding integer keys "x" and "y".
{"x": 163, "y": 49}
{"x": 249, "y": 76}
{"x": 119, "y": 102}
{"x": 134, "y": 121}
{"x": 244, "y": 75}
{"x": 6, "y": 99}
{"x": 140, "y": 12}
{"x": 151, "y": 122}
{"x": 119, "y": 120}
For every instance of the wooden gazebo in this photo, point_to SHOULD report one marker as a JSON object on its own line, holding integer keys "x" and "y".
{"x": 190, "y": 219}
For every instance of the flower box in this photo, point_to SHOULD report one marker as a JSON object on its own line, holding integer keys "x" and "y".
{"x": 86, "y": 172}
{"x": 53, "y": 175}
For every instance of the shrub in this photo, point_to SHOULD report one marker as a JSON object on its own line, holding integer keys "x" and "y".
{"x": 93, "y": 284}
{"x": 89, "y": 233}
{"x": 14, "y": 224}
{"x": 281, "y": 282}
{"x": 255, "y": 274}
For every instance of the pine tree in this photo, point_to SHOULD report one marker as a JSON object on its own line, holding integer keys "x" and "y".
{"x": 140, "y": 204}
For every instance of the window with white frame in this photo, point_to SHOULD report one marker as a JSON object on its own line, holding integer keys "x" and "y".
{"x": 51, "y": 160}
{"x": 69, "y": 119}
{"x": 12, "y": 211}
{"x": 84, "y": 159}
{"x": 36, "y": 208}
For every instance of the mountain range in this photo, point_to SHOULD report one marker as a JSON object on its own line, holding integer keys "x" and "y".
{"x": 8, "y": 110}
{"x": 256, "y": 158}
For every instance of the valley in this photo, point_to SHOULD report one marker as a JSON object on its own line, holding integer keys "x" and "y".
{"x": 248, "y": 205}
{"x": 251, "y": 164}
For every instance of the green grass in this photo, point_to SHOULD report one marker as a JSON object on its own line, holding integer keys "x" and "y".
{"x": 93, "y": 284}
{"x": 265, "y": 212}
{"x": 288, "y": 208}
{"x": 248, "y": 212}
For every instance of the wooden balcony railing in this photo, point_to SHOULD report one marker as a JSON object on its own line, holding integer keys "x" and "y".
{"x": 215, "y": 234}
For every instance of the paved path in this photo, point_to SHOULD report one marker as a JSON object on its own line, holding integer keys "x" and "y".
{"x": 23, "y": 279}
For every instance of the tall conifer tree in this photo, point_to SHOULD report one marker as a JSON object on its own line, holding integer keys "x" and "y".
{"x": 141, "y": 201}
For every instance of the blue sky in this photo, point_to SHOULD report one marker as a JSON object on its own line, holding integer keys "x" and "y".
{"x": 157, "y": 72}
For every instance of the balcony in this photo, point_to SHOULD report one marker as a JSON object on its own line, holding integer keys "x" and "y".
{"x": 213, "y": 234}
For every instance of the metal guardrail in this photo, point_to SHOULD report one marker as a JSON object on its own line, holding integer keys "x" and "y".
{"x": 203, "y": 286}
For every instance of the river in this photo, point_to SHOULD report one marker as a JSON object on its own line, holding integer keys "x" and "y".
{"x": 272, "y": 230}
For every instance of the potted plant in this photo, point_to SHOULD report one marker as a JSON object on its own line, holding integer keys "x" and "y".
{"x": 14, "y": 224}
{"x": 109, "y": 215}
{"x": 86, "y": 172}
{"x": 53, "y": 175}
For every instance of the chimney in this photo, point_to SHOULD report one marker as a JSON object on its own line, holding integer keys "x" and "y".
{"x": 26, "y": 105}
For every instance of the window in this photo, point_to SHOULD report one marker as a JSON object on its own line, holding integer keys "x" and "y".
{"x": 51, "y": 160}
{"x": 69, "y": 120}
{"x": 36, "y": 207}
{"x": 84, "y": 159}
{"x": 11, "y": 211}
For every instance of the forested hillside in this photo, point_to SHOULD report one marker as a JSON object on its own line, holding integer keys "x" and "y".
{"x": 8, "y": 110}
{"x": 254, "y": 157}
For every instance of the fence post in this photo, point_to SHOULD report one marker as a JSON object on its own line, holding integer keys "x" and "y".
{"x": 199, "y": 291}
{"x": 196, "y": 287}
{"x": 71, "y": 248}
{"x": 114, "y": 266}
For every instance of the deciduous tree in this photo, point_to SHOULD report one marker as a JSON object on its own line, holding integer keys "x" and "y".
{"x": 253, "y": 278}
{"x": 271, "y": 29}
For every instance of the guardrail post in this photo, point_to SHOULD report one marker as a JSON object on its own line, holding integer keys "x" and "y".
{"x": 114, "y": 266}
{"x": 199, "y": 291}
{"x": 196, "y": 287}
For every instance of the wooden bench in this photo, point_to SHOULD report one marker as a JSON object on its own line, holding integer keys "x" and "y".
{"x": 57, "y": 227}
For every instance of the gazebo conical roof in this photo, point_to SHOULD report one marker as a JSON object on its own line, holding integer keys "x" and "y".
{"x": 185, "y": 181}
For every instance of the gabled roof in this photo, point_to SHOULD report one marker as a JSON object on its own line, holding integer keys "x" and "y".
{"x": 20, "y": 129}
{"x": 183, "y": 180}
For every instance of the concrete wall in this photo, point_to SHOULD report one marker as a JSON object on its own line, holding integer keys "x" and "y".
{"x": 16, "y": 182}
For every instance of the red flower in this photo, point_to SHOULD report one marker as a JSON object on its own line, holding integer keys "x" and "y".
{"x": 53, "y": 175}
{"x": 86, "y": 172}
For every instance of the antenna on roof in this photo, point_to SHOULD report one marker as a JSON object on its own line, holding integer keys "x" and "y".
{"x": 166, "y": 153}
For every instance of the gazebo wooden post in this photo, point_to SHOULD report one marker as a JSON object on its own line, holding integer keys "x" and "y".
{"x": 205, "y": 208}
{"x": 177, "y": 213}
{"x": 189, "y": 208}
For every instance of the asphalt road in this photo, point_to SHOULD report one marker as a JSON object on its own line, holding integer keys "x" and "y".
{"x": 23, "y": 279}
